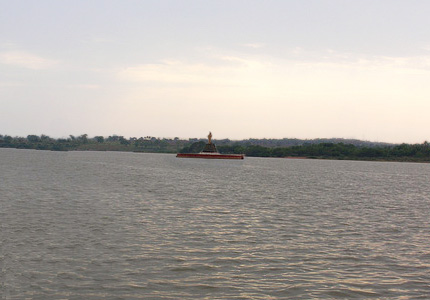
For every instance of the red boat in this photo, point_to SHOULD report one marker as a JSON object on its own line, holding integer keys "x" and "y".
{"x": 210, "y": 152}
{"x": 210, "y": 155}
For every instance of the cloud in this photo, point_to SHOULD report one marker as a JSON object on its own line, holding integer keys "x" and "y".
{"x": 26, "y": 60}
{"x": 228, "y": 70}
{"x": 254, "y": 45}
{"x": 9, "y": 84}
{"x": 333, "y": 75}
{"x": 84, "y": 86}
{"x": 98, "y": 40}
{"x": 166, "y": 71}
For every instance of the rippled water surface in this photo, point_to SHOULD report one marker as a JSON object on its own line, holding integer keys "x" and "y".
{"x": 105, "y": 225}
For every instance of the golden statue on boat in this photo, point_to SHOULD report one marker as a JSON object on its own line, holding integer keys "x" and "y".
{"x": 210, "y": 138}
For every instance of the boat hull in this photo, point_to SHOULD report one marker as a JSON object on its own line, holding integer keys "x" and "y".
{"x": 210, "y": 156}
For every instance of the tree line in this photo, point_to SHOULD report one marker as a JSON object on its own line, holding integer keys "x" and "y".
{"x": 97, "y": 143}
{"x": 402, "y": 152}
{"x": 311, "y": 149}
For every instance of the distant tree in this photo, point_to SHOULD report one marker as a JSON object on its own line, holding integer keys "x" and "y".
{"x": 194, "y": 147}
{"x": 113, "y": 138}
{"x": 8, "y": 139}
{"x": 258, "y": 151}
{"x": 45, "y": 138}
{"x": 123, "y": 141}
{"x": 83, "y": 138}
{"x": 99, "y": 139}
{"x": 33, "y": 138}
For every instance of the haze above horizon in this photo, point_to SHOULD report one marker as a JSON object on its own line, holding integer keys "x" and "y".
{"x": 241, "y": 69}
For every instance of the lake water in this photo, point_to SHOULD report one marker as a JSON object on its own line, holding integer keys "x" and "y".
{"x": 106, "y": 225}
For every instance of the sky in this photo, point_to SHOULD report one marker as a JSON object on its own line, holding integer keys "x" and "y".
{"x": 241, "y": 69}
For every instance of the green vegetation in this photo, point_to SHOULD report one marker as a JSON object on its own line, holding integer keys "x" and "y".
{"x": 195, "y": 147}
{"x": 98, "y": 143}
{"x": 320, "y": 148}
{"x": 403, "y": 152}
{"x": 342, "y": 151}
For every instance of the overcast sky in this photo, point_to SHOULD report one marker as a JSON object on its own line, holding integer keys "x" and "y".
{"x": 241, "y": 69}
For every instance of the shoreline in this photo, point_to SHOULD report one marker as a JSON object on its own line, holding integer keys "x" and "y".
{"x": 374, "y": 159}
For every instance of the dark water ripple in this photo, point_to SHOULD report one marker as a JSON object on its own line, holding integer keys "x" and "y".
{"x": 94, "y": 225}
